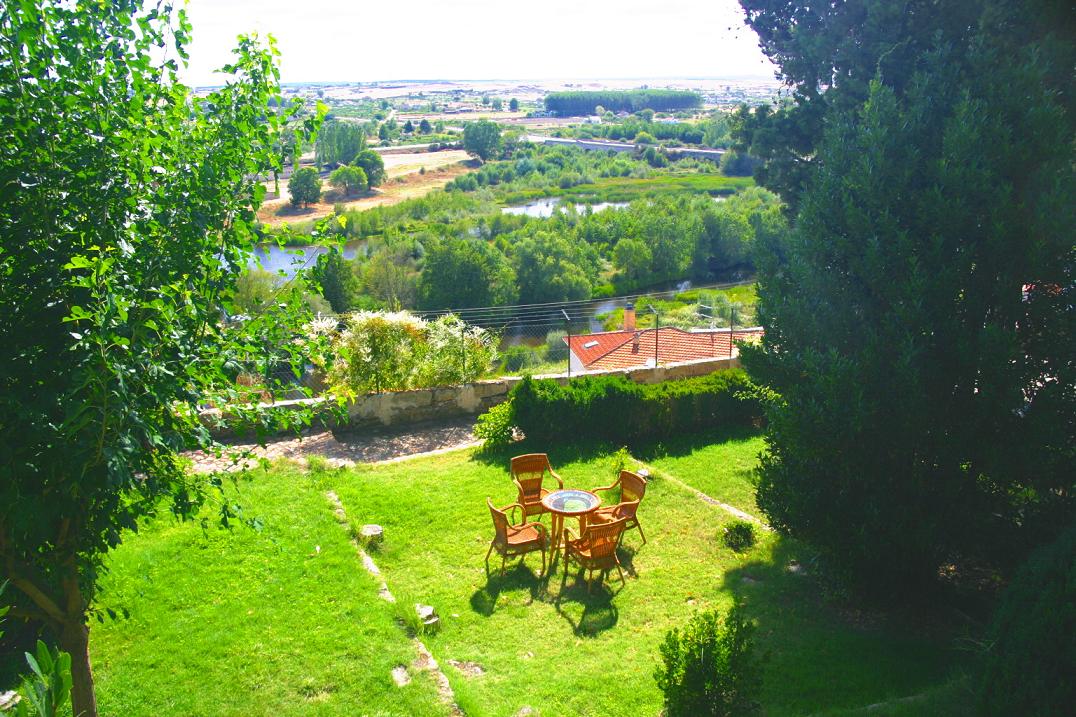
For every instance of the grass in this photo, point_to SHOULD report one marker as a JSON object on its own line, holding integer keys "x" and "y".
{"x": 279, "y": 621}
{"x": 625, "y": 189}
{"x": 244, "y": 622}
{"x": 723, "y": 470}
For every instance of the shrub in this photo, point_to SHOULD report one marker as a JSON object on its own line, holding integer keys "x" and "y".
{"x": 614, "y": 409}
{"x": 380, "y": 351}
{"x": 709, "y": 668}
{"x": 739, "y": 535}
{"x": 495, "y": 425}
{"x": 1029, "y": 666}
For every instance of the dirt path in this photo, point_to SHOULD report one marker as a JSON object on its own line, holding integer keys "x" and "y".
{"x": 404, "y": 182}
{"x": 348, "y": 448}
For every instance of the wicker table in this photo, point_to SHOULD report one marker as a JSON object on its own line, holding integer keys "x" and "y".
{"x": 571, "y": 503}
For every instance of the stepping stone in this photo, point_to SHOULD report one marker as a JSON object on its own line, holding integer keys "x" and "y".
{"x": 400, "y": 676}
{"x": 372, "y": 534}
{"x": 428, "y": 616}
{"x": 471, "y": 669}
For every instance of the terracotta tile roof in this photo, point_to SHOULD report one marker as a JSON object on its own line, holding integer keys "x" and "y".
{"x": 591, "y": 347}
{"x": 618, "y": 349}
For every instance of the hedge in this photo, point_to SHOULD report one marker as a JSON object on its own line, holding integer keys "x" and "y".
{"x": 617, "y": 410}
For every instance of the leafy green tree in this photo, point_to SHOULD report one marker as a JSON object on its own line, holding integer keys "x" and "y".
{"x": 513, "y": 105}
{"x": 304, "y": 186}
{"x": 738, "y": 164}
{"x": 632, "y": 257}
{"x": 135, "y": 207}
{"x": 424, "y": 126}
{"x": 338, "y": 142}
{"x": 482, "y": 139}
{"x": 408, "y": 127}
{"x": 254, "y": 289}
{"x": 644, "y": 138}
{"x": 383, "y": 133}
{"x": 337, "y": 279}
{"x": 373, "y": 165}
{"x": 464, "y": 273}
{"x": 349, "y": 179}
{"x": 551, "y": 267}
{"x": 498, "y": 104}
{"x": 919, "y": 320}
{"x": 389, "y": 277}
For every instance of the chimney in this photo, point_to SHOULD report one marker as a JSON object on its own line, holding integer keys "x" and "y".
{"x": 629, "y": 317}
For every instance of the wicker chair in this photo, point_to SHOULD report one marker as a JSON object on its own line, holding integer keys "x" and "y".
{"x": 515, "y": 540}
{"x": 632, "y": 489}
{"x": 594, "y": 550}
{"x": 528, "y": 473}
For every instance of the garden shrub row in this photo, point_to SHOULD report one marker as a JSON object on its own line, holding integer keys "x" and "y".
{"x": 615, "y": 409}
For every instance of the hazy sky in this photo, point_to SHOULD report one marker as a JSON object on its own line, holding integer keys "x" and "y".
{"x": 363, "y": 40}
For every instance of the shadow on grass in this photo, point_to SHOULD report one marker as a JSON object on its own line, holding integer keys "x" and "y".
{"x": 516, "y": 577}
{"x": 598, "y": 611}
{"x": 686, "y": 444}
{"x": 558, "y": 454}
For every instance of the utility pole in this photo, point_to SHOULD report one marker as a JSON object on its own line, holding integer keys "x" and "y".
{"x": 657, "y": 332}
{"x": 568, "y": 328}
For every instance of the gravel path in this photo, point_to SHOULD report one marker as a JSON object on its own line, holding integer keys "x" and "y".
{"x": 348, "y": 448}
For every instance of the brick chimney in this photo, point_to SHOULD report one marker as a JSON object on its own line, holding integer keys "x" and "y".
{"x": 629, "y": 317}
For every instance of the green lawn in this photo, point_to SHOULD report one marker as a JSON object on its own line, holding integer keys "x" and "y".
{"x": 283, "y": 621}
{"x": 721, "y": 470}
{"x": 260, "y": 623}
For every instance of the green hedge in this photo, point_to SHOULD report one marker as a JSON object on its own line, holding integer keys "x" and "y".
{"x": 615, "y": 409}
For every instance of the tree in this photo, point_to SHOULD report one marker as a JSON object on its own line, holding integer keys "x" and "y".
{"x": 349, "y": 179}
{"x": 464, "y": 273}
{"x": 337, "y": 279}
{"x": 551, "y": 267}
{"x": 304, "y": 186}
{"x": 253, "y": 290}
{"x": 498, "y": 104}
{"x": 424, "y": 126}
{"x": 338, "y": 142}
{"x": 389, "y": 277}
{"x": 738, "y": 164}
{"x": 373, "y": 165}
{"x": 408, "y": 127}
{"x": 383, "y": 133}
{"x": 632, "y": 258}
{"x": 513, "y": 105}
{"x": 482, "y": 139}
{"x": 135, "y": 209}
{"x": 919, "y": 320}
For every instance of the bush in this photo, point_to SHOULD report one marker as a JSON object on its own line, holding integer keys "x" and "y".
{"x": 710, "y": 668}
{"x": 614, "y": 409}
{"x": 495, "y": 425}
{"x": 739, "y": 535}
{"x": 1029, "y": 666}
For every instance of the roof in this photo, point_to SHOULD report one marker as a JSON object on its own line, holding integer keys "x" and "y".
{"x": 618, "y": 349}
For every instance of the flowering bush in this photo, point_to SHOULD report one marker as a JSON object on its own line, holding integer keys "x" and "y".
{"x": 379, "y": 351}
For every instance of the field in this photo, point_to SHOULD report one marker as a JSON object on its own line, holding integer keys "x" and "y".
{"x": 284, "y": 620}
{"x": 404, "y": 182}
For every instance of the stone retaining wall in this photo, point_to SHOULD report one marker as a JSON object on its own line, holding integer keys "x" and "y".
{"x": 399, "y": 408}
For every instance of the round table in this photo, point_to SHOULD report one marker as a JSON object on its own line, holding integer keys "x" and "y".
{"x": 571, "y": 503}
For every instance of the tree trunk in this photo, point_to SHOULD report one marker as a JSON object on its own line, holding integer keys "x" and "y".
{"x": 75, "y": 640}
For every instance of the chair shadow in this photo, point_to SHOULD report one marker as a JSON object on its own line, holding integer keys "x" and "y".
{"x": 517, "y": 576}
{"x": 599, "y": 613}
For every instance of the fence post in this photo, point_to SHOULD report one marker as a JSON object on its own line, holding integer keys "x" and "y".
{"x": 568, "y": 329}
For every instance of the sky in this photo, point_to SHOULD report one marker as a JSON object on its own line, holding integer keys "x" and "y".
{"x": 366, "y": 40}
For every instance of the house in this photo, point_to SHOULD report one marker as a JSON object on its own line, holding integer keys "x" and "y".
{"x": 630, "y": 347}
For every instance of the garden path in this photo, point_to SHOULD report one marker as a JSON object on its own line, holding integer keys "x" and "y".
{"x": 345, "y": 448}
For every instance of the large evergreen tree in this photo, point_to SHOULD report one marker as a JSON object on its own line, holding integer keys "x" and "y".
{"x": 919, "y": 320}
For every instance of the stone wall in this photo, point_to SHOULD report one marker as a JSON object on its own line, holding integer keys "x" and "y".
{"x": 399, "y": 408}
